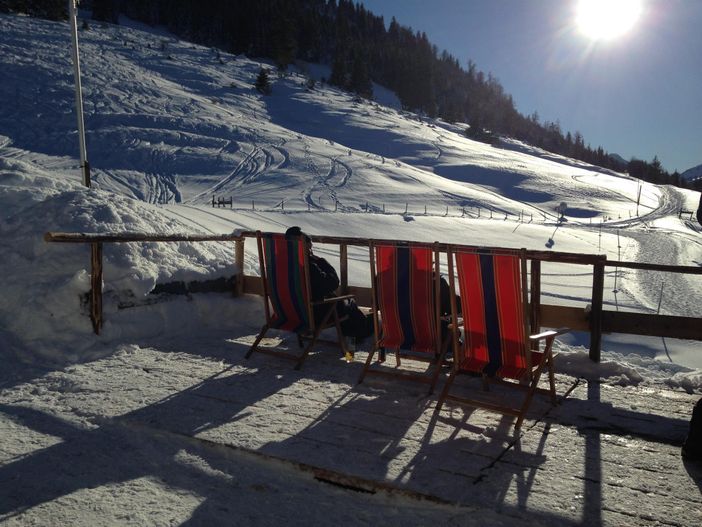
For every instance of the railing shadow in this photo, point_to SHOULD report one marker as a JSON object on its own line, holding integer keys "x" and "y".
{"x": 118, "y": 449}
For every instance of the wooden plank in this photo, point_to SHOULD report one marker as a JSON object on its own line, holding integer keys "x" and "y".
{"x": 652, "y": 325}
{"x": 564, "y": 316}
{"x": 239, "y": 261}
{"x": 535, "y": 312}
{"x": 596, "y": 312}
{"x": 252, "y": 285}
{"x": 344, "y": 268}
{"x": 685, "y": 269}
{"x": 125, "y": 237}
{"x": 549, "y": 256}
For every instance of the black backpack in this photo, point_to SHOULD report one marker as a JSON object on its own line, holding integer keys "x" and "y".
{"x": 356, "y": 323}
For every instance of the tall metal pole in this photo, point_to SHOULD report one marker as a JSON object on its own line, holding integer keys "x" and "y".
{"x": 85, "y": 167}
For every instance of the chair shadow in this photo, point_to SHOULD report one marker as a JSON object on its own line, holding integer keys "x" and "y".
{"x": 471, "y": 459}
{"x": 360, "y": 433}
{"x": 389, "y": 436}
{"x": 86, "y": 458}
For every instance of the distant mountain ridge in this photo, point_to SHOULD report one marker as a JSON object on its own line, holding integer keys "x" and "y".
{"x": 692, "y": 174}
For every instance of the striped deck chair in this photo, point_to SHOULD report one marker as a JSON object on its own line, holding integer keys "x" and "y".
{"x": 287, "y": 297}
{"x": 405, "y": 282}
{"x": 496, "y": 342}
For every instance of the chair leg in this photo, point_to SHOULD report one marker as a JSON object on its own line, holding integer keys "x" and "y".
{"x": 314, "y": 338}
{"x": 445, "y": 391}
{"x": 257, "y": 341}
{"x": 348, "y": 355}
{"x": 530, "y": 394}
{"x": 367, "y": 364}
{"x": 437, "y": 368}
{"x": 307, "y": 350}
{"x": 552, "y": 380}
{"x": 300, "y": 341}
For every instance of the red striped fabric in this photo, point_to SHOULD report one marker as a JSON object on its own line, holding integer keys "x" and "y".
{"x": 475, "y": 348}
{"x": 284, "y": 260}
{"x": 405, "y": 298}
{"x": 493, "y": 314}
{"x": 511, "y": 312}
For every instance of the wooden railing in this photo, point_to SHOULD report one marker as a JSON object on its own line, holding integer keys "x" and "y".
{"x": 592, "y": 317}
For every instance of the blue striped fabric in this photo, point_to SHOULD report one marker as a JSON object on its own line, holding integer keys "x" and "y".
{"x": 492, "y": 318}
{"x": 404, "y": 288}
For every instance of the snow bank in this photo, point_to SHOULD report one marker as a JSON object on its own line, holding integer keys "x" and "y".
{"x": 43, "y": 307}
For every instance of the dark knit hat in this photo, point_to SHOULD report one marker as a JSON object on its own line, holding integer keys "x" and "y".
{"x": 295, "y": 231}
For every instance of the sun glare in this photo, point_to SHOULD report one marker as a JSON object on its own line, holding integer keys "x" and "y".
{"x": 607, "y": 19}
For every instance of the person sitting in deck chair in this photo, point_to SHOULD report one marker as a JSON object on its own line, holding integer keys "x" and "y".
{"x": 324, "y": 282}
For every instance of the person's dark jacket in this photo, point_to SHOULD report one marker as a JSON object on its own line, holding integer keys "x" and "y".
{"x": 323, "y": 278}
{"x": 323, "y": 283}
{"x": 699, "y": 211}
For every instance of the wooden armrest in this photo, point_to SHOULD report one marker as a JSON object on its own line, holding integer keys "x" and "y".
{"x": 551, "y": 333}
{"x": 332, "y": 299}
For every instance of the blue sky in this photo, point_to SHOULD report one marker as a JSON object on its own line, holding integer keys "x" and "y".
{"x": 638, "y": 95}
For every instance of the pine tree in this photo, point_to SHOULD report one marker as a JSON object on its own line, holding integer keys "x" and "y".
{"x": 105, "y": 11}
{"x": 360, "y": 81}
{"x": 262, "y": 84}
{"x": 338, "y": 72}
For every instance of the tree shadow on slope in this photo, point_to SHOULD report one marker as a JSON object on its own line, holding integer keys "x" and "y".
{"x": 506, "y": 183}
{"x": 287, "y": 108}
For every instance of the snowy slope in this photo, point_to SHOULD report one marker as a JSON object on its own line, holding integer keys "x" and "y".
{"x": 170, "y": 124}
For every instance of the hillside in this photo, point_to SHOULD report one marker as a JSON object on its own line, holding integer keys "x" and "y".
{"x": 692, "y": 174}
{"x": 171, "y": 124}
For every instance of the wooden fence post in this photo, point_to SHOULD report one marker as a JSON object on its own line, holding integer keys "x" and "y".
{"x": 596, "y": 311}
{"x": 535, "y": 307}
{"x": 239, "y": 261}
{"x": 344, "y": 268}
{"x": 96, "y": 286}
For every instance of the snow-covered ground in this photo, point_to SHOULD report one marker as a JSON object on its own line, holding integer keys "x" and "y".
{"x": 170, "y": 125}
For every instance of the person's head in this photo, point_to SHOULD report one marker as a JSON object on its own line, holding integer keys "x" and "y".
{"x": 296, "y": 232}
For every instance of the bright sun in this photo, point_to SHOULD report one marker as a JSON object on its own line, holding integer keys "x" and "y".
{"x": 607, "y": 19}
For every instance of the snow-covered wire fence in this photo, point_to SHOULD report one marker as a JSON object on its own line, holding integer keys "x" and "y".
{"x": 422, "y": 210}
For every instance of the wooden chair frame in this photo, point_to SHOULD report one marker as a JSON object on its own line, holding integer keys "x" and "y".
{"x": 437, "y": 358}
{"x": 529, "y": 382}
{"x": 329, "y": 319}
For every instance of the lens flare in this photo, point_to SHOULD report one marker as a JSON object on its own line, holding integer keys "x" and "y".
{"x": 607, "y": 19}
